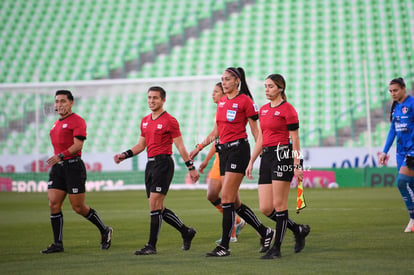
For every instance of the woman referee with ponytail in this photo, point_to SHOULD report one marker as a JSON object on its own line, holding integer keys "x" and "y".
{"x": 234, "y": 110}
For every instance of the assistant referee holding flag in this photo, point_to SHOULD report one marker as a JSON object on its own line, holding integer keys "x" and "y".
{"x": 68, "y": 173}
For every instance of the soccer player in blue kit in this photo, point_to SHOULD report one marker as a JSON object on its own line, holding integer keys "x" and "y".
{"x": 402, "y": 127}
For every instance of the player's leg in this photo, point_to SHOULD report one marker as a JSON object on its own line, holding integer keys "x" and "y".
{"x": 56, "y": 195}
{"x": 405, "y": 181}
{"x": 78, "y": 205}
{"x": 56, "y": 198}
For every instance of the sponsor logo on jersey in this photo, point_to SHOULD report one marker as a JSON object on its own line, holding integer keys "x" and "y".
{"x": 231, "y": 115}
{"x": 404, "y": 110}
{"x": 144, "y": 125}
{"x": 221, "y": 104}
{"x": 264, "y": 112}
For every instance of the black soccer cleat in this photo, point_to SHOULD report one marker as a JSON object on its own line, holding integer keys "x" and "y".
{"x": 187, "y": 238}
{"x": 266, "y": 241}
{"x": 106, "y": 238}
{"x": 219, "y": 251}
{"x": 304, "y": 230}
{"x": 147, "y": 250}
{"x": 53, "y": 248}
{"x": 272, "y": 253}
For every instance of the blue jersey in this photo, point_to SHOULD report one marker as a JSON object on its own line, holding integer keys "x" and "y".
{"x": 402, "y": 127}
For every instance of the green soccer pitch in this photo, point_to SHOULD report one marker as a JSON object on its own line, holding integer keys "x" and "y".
{"x": 353, "y": 230}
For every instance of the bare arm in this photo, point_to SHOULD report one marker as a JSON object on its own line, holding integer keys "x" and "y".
{"x": 73, "y": 149}
{"x": 178, "y": 142}
{"x": 256, "y": 152}
{"x": 254, "y": 128}
{"x": 138, "y": 148}
{"x": 210, "y": 154}
{"x": 210, "y": 138}
{"x": 296, "y": 153}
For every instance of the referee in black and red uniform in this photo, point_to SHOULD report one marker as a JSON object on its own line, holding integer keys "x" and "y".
{"x": 159, "y": 130}
{"x": 68, "y": 172}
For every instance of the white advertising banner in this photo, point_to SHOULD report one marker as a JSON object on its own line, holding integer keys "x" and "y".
{"x": 318, "y": 157}
{"x": 342, "y": 157}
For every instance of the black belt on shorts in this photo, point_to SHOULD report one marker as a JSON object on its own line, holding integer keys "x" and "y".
{"x": 71, "y": 160}
{"x": 158, "y": 157}
{"x": 231, "y": 144}
{"x": 274, "y": 148}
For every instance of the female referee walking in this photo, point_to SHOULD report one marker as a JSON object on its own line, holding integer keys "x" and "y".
{"x": 159, "y": 130}
{"x": 402, "y": 127}
{"x": 233, "y": 112}
{"x": 68, "y": 173}
{"x": 214, "y": 185}
{"x": 280, "y": 162}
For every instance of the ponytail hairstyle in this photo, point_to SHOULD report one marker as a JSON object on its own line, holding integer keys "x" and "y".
{"x": 239, "y": 73}
{"x": 392, "y": 109}
{"x": 279, "y": 82}
{"x": 399, "y": 81}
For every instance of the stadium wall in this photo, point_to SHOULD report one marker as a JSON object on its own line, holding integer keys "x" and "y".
{"x": 134, "y": 180}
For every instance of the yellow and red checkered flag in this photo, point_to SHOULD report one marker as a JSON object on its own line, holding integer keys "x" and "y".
{"x": 300, "y": 201}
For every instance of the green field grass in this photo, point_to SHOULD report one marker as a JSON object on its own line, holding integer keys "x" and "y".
{"x": 353, "y": 231}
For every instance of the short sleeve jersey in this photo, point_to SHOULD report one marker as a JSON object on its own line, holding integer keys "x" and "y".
{"x": 232, "y": 115}
{"x": 159, "y": 133}
{"x": 276, "y": 122}
{"x": 64, "y": 130}
{"x": 403, "y": 123}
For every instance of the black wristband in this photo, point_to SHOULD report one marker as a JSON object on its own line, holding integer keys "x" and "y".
{"x": 191, "y": 168}
{"x": 61, "y": 156}
{"x": 189, "y": 163}
{"x": 128, "y": 154}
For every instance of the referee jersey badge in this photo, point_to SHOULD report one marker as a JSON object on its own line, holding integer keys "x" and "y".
{"x": 231, "y": 115}
{"x": 159, "y": 126}
{"x": 64, "y": 125}
{"x": 276, "y": 113}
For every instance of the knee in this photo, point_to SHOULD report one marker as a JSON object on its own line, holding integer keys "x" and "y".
{"x": 79, "y": 209}
{"x": 212, "y": 197}
{"x": 403, "y": 181}
{"x": 55, "y": 207}
{"x": 266, "y": 209}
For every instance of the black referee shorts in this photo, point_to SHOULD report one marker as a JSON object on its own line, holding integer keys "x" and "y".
{"x": 276, "y": 164}
{"x": 158, "y": 174}
{"x": 69, "y": 176}
{"x": 234, "y": 158}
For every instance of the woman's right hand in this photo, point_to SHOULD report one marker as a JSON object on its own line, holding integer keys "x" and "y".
{"x": 249, "y": 171}
{"x": 202, "y": 166}
{"x": 382, "y": 159}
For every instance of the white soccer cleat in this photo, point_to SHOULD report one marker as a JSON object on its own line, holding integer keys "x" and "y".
{"x": 410, "y": 226}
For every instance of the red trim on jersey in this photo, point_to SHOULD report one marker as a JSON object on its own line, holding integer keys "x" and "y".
{"x": 274, "y": 121}
{"x": 232, "y": 115}
{"x": 159, "y": 133}
{"x": 64, "y": 130}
